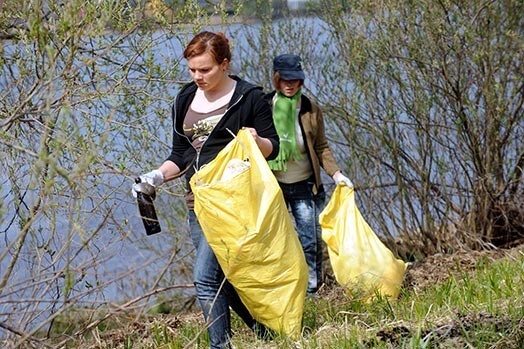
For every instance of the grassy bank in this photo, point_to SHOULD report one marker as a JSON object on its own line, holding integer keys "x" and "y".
{"x": 469, "y": 300}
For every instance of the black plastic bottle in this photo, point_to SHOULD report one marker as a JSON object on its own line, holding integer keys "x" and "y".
{"x": 145, "y": 194}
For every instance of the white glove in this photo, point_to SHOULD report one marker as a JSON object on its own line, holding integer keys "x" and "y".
{"x": 155, "y": 178}
{"x": 339, "y": 178}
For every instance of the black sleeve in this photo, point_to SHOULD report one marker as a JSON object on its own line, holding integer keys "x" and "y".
{"x": 263, "y": 122}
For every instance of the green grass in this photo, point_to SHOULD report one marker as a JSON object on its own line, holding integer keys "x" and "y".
{"x": 479, "y": 309}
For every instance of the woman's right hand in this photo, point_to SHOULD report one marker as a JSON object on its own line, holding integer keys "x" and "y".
{"x": 339, "y": 178}
{"x": 155, "y": 178}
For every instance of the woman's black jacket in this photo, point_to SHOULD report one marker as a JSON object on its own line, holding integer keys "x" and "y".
{"x": 247, "y": 108}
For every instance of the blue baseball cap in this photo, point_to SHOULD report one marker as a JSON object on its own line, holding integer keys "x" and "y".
{"x": 289, "y": 67}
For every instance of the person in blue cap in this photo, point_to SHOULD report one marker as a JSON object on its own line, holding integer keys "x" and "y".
{"x": 303, "y": 152}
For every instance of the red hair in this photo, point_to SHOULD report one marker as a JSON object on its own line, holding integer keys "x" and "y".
{"x": 215, "y": 44}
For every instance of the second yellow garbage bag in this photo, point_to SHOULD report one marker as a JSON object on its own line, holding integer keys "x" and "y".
{"x": 242, "y": 212}
{"x": 360, "y": 261}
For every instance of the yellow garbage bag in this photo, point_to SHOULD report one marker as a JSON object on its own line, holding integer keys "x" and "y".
{"x": 245, "y": 220}
{"x": 360, "y": 261}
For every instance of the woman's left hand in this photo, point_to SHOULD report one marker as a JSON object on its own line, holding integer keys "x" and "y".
{"x": 264, "y": 144}
{"x": 253, "y": 133}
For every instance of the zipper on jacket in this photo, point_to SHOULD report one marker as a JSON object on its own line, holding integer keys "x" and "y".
{"x": 196, "y": 164}
{"x": 203, "y": 143}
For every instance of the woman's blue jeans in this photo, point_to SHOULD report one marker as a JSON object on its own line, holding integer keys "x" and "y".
{"x": 215, "y": 294}
{"x": 305, "y": 209}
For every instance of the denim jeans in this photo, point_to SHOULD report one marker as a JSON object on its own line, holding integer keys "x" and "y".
{"x": 305, "y": 209}
{"x": 215, "y": 294}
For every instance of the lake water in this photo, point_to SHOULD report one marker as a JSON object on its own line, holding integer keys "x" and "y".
{"x": 87, "y": 245}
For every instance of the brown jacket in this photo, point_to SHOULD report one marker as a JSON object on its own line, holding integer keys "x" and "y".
{"x": 314, "y": 134}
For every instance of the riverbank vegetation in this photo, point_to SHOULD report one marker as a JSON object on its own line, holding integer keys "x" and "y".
{"x": 424, "y": 106}
{"x": 456, "y": 301}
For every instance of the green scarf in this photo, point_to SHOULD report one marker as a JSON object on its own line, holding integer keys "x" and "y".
{"x": 284, "y": 116}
